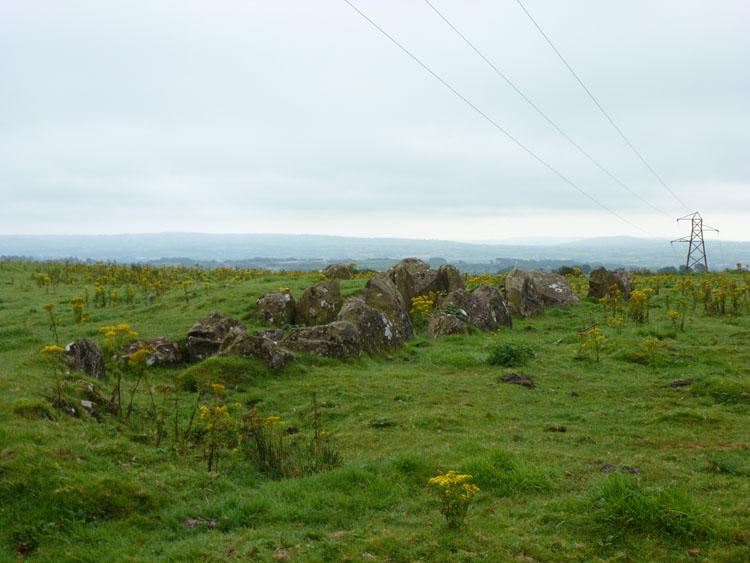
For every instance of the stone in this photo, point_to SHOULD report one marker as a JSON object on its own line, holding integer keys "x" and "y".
{"x": 471, "y": 306}
{"x": 261, "y": 348}
{"x": 522, "y": 294}
{"x": 164, "y": 352}
{"x": 339, "y": 339}
{"x": 442, "y": 324}
{"x": 376, "y": 332}
{"x": 276, "y": 307}
{"x": 553, "y": 288}
{"x": 320, "y": 303}
{"x": 91, "y": 408}
{"x": 412, "y": 277}
{"x": 205, "y": 337}
{"x": 600, "y": 280}
{"x": 338, "y": 271}
{"x": 493, "y": 300}
{"x": 86, "y": 356}
{"x": 448, "y": 279}
{"x": 274, "y": 334}
{"x": 382, "y": 294}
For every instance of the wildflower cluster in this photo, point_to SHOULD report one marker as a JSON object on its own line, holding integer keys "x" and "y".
{"x": 639, "y": 304}
{"x": 590, "y": 343}
{"x": 115, "y": 338}
{"x": 79, "y": 315}
{"x": 455, "y": 494}
{"x": 498, "y": 280}
{"x": 576, "y": 279}
{"x": 421, "y": 308}
{"x": 54, "y": 355}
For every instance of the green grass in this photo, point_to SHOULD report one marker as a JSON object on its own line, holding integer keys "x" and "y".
{"x": 81, "y": 489}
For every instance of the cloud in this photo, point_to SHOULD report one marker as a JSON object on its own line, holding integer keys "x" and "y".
{"x": 148, "y": 116}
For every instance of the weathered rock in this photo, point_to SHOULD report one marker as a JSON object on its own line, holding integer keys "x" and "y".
{"x": 262, "y": 349}
{"x": 382, "y": 294}
{"x": 206, "y": 336}
{"x": 91, "y": 408}
{"x": 376, "y": 332}
{"x": 448, "y": 279}
{"x": 600, "y": 280}
{"x": 494, "y": 302}
{"x": 474, "y": 308}
{"x": 337, "y": 271}
{"x": 443, "y": 324}
{"x": 412, "y": 277}
{"x": 86, "y": 356}
{"x": 339, "y": 339}
{"x": 276, "y": 307}
{"x": 526, "y": 288}
{"x": 320, "y": 303}
{"x": 274, "y": 334}
{"x": 164, "y": 351}
{"x": 522, "y": 294}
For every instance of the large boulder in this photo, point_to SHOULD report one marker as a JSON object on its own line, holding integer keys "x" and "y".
{"x": 320, "y": 303}
{"x": 338, "y": 271}
{"x": 474, "y": 308}
{"x": 382, "y": 294}
{"x": 412, "y": 277}
{"x": 276, "y": 307}
{"x": 600, "y": 280}
{"x": 86, "y": 356}
{"x": 376, "y": 332}
{"x": 206, "y": 336}
{"x": 493, "y": 300}
{"x": 163, "y": 351}
{"x": 551, "y": 289}
{"x": 262, "y": 349}
{"x": 339, "y": 339}
{"x": 443, "y": 324}
{"x": 523, "y": 294}
{"x": 448, "y": 279}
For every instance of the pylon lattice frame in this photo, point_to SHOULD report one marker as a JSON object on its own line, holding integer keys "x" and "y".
{"x": 696, "y": 246}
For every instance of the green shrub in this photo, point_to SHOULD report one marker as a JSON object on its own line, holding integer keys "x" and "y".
{"x": 511, "y": 354}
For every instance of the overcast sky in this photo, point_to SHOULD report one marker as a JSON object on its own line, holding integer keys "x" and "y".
{"x": 283, "y": 116}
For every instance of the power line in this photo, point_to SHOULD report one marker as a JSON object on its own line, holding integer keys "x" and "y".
{"x": 492, "y": 121}
{"x": 542, "y": 113}
{"x": 596, "y": 102}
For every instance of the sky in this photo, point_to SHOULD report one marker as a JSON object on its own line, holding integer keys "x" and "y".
{"x": 247, "y": 116}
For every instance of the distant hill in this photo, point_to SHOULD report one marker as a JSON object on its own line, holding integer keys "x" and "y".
{"x": 218, "y": 248}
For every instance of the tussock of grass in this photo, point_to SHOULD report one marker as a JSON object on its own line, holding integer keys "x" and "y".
{"x": 33, "y": 409}
{"x": 687, "y": 417}
{"x": 511, "y": 353}
{"x": 501, "y": 473}
{"x": 231, "y": 371}
{"x": 625, "y": 505}
{"x": 723, "y": 463}
{"x": 723, "y": 389}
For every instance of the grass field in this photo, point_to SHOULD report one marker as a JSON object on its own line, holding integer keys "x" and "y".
{"x": 600, "y": 461}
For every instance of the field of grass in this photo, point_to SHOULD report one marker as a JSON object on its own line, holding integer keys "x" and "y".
{"x": 600, "y": 461}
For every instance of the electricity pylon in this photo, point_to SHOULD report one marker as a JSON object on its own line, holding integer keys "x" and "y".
{"x": 696, "y": 247}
